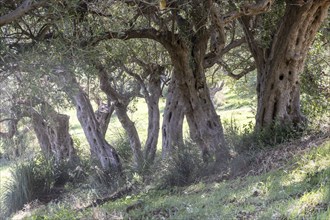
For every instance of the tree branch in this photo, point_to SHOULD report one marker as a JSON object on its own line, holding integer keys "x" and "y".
{"x": 19, "y": 12}
{"x": 12, "y": 129}
{"x": 236, "y": 76}
{"x": 248, "y": 10}
{"x": 148, "y": 33}
{"x": 212, "y": 58}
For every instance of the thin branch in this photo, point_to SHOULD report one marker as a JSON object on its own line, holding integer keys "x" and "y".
{"x": 236, "y": 76}
{"x": 212, "y": 58}
{"x": 147, "y": 33}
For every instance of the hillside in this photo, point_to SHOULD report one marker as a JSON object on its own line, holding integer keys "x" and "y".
{"x": 290, "y": 181}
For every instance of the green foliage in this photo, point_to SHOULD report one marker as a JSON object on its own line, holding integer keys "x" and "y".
{"x": 182, "y": 167}
{"x": 269, "y": 22}
{"x": 29, "y": 180}
{"x": 59, "y": 212}
{"x": 315, "y": 80}
{"x": 15, "y": 147}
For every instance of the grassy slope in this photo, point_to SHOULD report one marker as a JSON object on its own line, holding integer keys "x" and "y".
{"x": 298, "y": 190}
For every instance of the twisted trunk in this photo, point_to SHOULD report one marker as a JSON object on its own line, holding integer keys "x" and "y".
{"x": 103, "y": 115}
{"x": 280, "y": 65}
{"x": 204, "y": 123}
{"x": 54, "y": 137}
{"x": 134, "y": 139}
{"x": 120, "y": 106}
{"x": 172, "y": 120}
{"x": 40, "y": 129}
{"x": 55, "y": 142}
{"x": 152, "y": 100}
{"x": 100, "y": 149}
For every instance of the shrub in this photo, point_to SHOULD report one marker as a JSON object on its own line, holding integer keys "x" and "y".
{"x": 123, "y": 148}
{"x": 249, "y": 139}
{"x": 182, "y": 167}
{"x": 29, "y": 180}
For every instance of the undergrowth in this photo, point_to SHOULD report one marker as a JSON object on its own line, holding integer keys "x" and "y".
{"x": 29, "y": 180}
{"x": 299, "y": 190}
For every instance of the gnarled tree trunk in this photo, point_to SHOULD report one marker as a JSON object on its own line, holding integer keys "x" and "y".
{"x": 60, "y": 139}
{"x": 40, "y": 129}
{"x": 100, "y": 149}
{"x": 134, "y": 139}
{"x": 204, "y": 123}
{"x": 120, "y": 105}
{"x": 55, "y": 141}
{"x": 53, "y": 135}
{"x": 280, "y": 65}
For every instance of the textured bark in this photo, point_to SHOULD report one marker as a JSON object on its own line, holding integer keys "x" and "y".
{"x": 103, "y": 115}
{"x": 120, "y": 105}
{"x": 188, "y": 55}
{"x": 53, "y": 134}
{"x": 55, "y": 141}
{"x": 41, "y": 130}
{"x": 204, "y": 123}
{"x": 134, "y": 139}
{"x": 152, "y": 100}
{"x": 61, "y": 142}
{"x": 280, "y": 65}
{"x": 100, "y": 149}
{"x": 172, "y": 120}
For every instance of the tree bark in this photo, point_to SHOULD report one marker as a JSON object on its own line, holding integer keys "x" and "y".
{"x": 134, "y": 139}
{"x": 100, "y": 149}
{"x": 120, "y": 105}
{"x": 279, "y": 65}
{"x": 172, "y": 136}
{"x": 204, "y": 123}
{"x": 152, "y": 100}
{"x": 55, "y": 141}
{"x": 61, "y": 142}
{"x": 103, "y": 115}
{"x": 40, "y": 129}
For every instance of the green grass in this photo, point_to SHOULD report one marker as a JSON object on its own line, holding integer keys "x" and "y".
{"x": 299, "y": 190}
